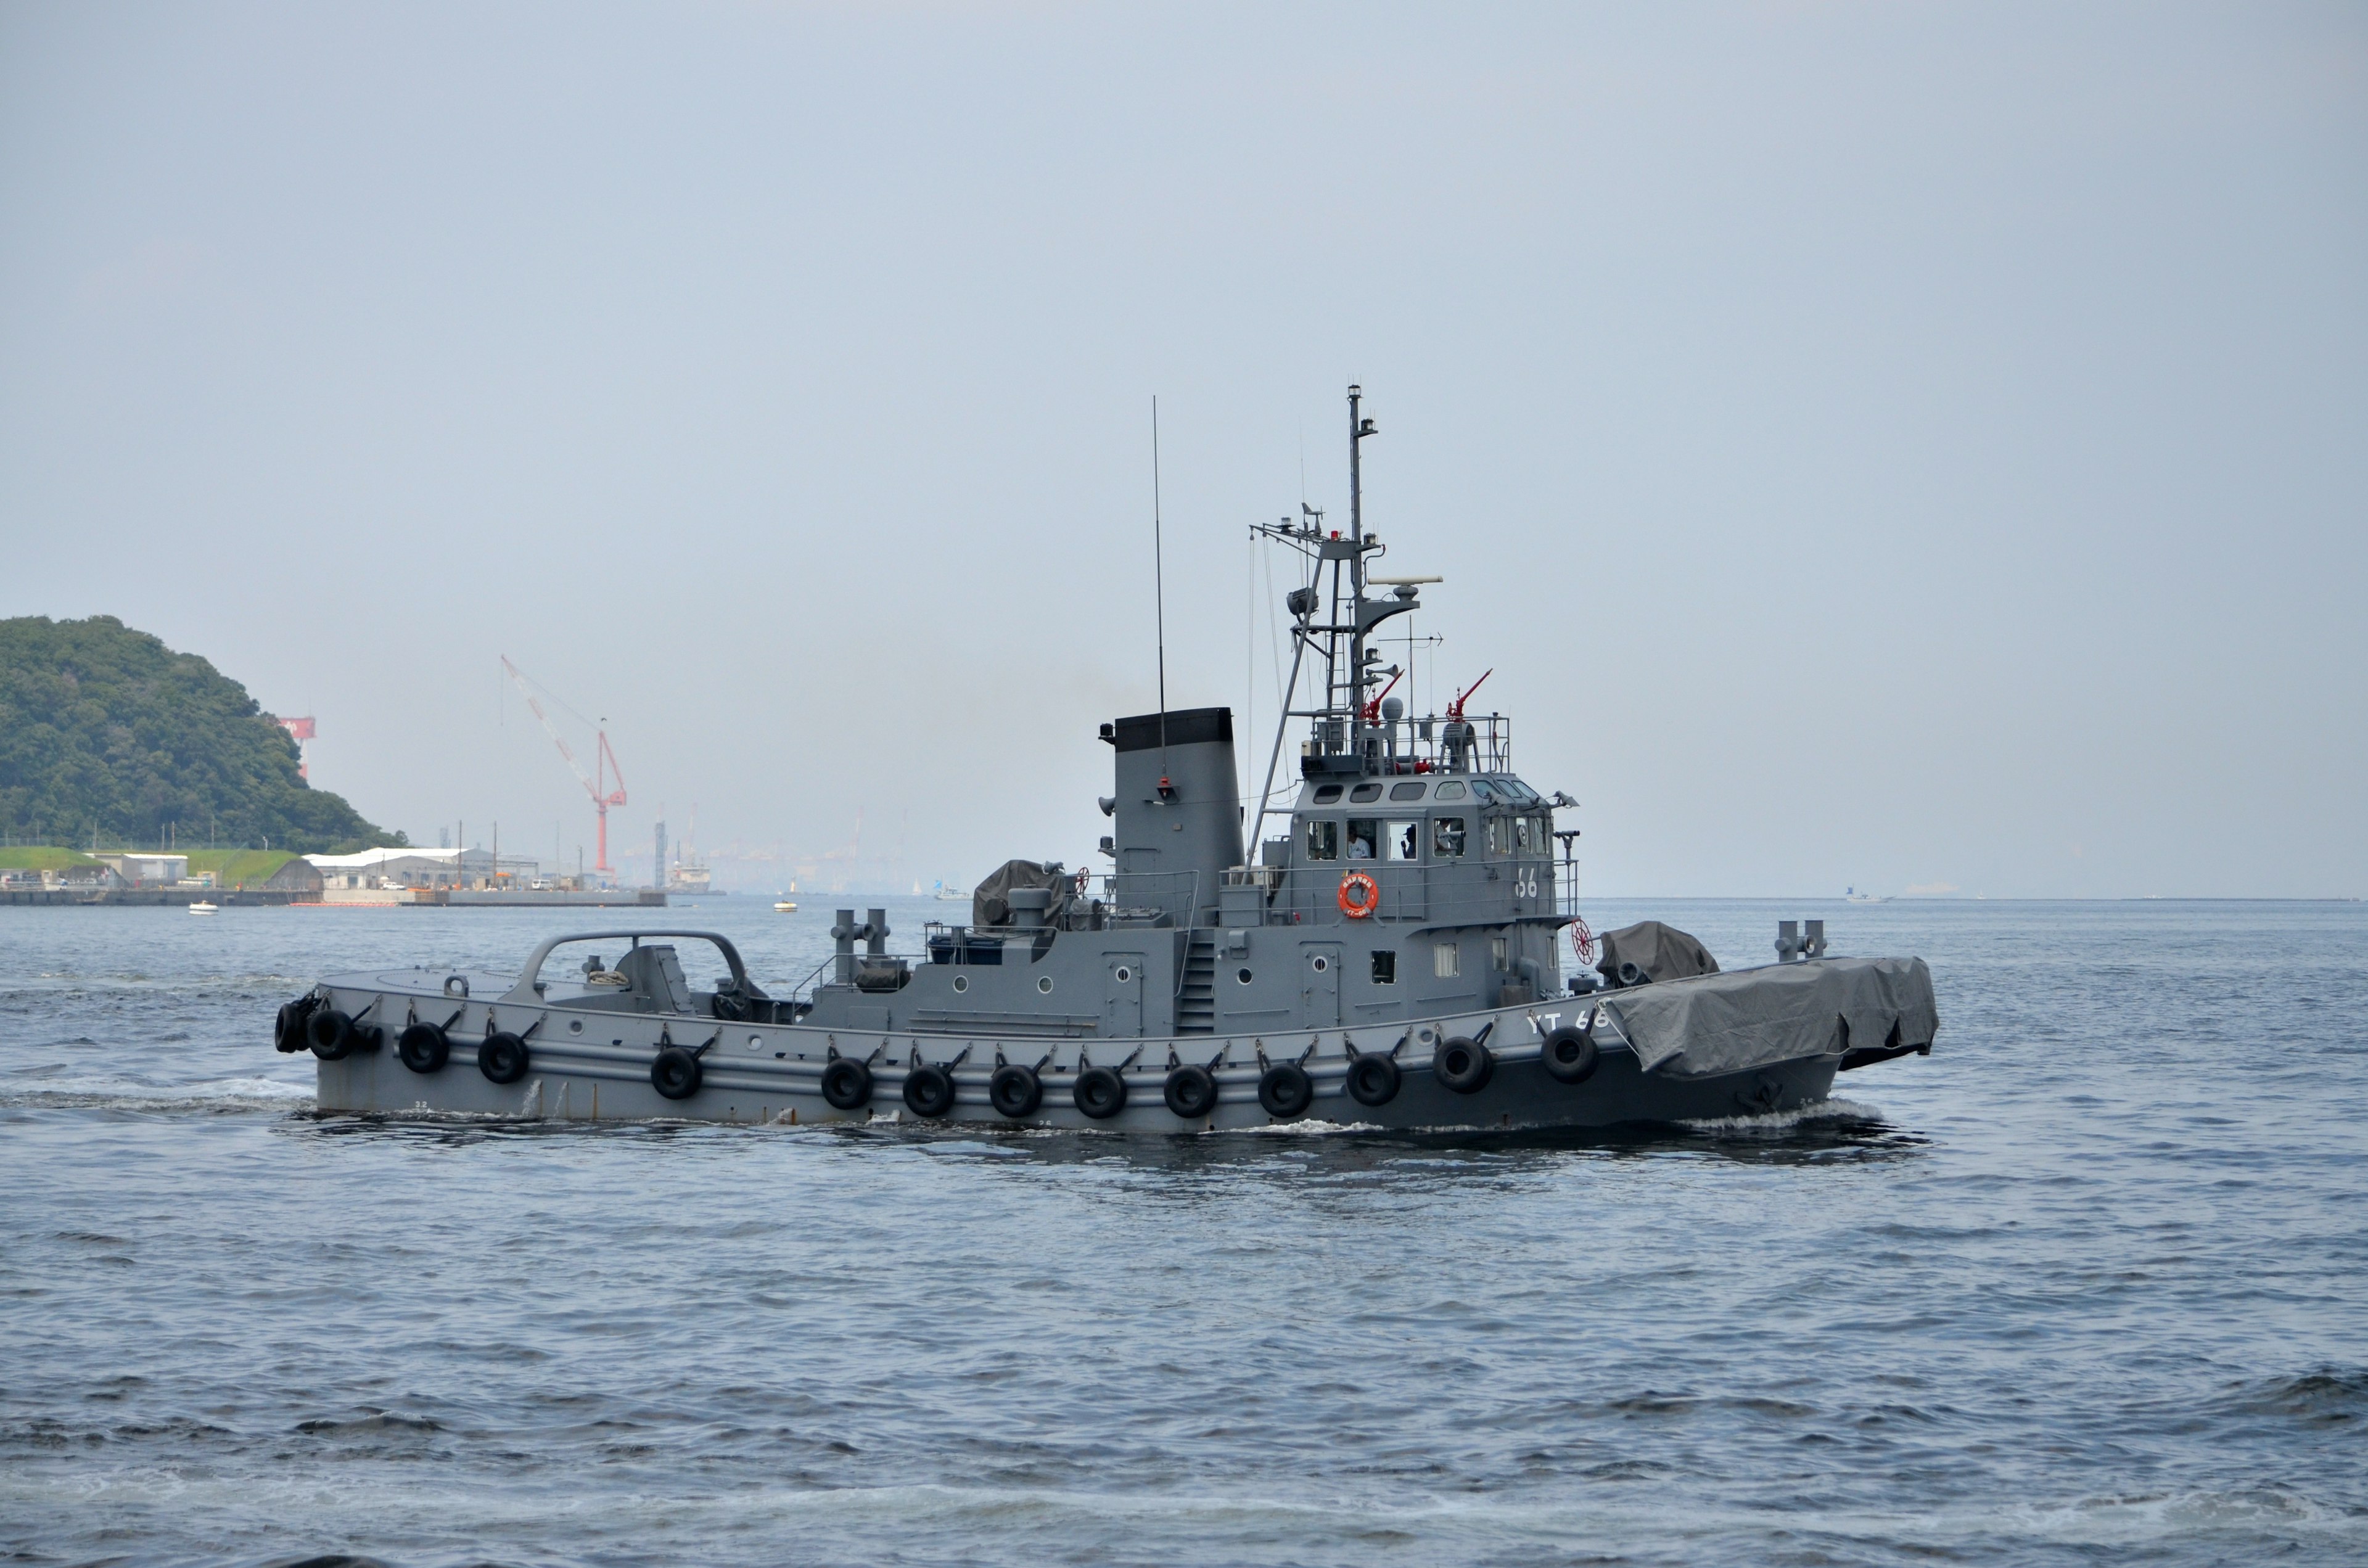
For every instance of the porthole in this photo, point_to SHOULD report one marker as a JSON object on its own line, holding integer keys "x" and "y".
{"x": 1243, "y": 975}
{"x": 756, "y": 1042}
{"x": 574, "y": 1026}
{"x": 1322, "y": 963}
{"x": 1044, "y": 983}
{"x": 1124, "y": 974}
{"x": 961, "y": 982}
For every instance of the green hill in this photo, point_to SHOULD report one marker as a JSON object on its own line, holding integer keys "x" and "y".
{"x": 237, "y": 868}
{"x": 41, "y": 858}
{"x": 104, "y": 729}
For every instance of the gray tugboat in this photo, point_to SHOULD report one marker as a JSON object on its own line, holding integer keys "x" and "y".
{"x": 1389, "y": 957}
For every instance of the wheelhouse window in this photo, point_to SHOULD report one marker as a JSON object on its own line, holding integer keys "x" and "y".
{"x": 1363, "y": 792}
{"x": 1364, "y": 838}
{"x": 1403, "y": 841}
{"x": 1447, "y": 837}
{"x": 1409, "y": 790}
{"x": 1326, "y": 793}
{"x": 1450, "y": 789}
{"x": 1500, "y": 837}
{"x": 1323, "y": 839}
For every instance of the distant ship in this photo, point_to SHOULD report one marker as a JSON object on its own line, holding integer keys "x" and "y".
{"x": 944, "y": 894}
{"x": 1852, "y": 895}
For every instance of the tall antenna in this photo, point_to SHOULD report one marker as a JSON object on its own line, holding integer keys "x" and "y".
{"x": 1159, "y": 590}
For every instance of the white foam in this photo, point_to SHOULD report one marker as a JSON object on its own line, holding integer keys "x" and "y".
{"x": 210, "y": 1094}
{"x": 1768, "y": 1123}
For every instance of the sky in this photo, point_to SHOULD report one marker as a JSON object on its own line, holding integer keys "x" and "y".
{"x": 1919, "y": 447}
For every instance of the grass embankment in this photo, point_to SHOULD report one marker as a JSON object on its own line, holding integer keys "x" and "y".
{"x": 236, "y": 868}
{"x": 41, "y": 857}
{"x": 231, "y": 868}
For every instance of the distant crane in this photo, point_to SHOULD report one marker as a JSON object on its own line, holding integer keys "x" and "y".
{"x": 603, "y": 763}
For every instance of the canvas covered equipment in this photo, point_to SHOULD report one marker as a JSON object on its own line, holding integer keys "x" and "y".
{"x": 1649, "y": 951}
{"x": 990, "y": 902}
{"x": 1725, "y": 1022}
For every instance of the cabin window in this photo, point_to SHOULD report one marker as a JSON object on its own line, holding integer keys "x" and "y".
{"x": 1326, "y": 793}
{"x": 1527, "y": 837}
{"x": 1364, "y": 838}
{"x": 1409, "y": 790}
{"x": 1324, "y": 840}
{"x": 1447, "y": 837}
{"x": 1445, "y": 963}
{"x": 1500, "y": 836}
{"x": 1451, "y": 789}
{"x": 1480, "y": 790}
{"x": 1385, "y": 968}
{"x": 1403, "y": 841}
{"x": 1496, "y": 946}
{"x": 1363, "y": 792}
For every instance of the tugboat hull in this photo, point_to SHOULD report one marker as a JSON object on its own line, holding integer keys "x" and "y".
{"x": 606, "y": 1068}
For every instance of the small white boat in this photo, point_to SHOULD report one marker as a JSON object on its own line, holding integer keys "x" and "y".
{"x": 202, "y": 907}
{"x": 1852, "y": 895}
{"x": 784, "y": 907}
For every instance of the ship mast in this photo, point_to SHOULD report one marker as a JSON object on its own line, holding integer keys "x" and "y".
{"x": 1340, "y": 734}
{"x": 1358, "y": 428}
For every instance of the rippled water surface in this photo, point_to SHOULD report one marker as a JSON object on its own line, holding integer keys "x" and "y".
{"x": 2086, "y": 1285}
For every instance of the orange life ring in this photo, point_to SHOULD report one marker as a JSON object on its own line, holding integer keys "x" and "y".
{"x": 1369, "y": 899}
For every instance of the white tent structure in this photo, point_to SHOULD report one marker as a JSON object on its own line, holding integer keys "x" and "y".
{"x": 406, "y": 868}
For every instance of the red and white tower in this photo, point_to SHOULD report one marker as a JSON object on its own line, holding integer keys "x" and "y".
{"x": 303, "y": 730}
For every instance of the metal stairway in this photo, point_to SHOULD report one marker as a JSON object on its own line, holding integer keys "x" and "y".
{"x": 1196, "y": 998}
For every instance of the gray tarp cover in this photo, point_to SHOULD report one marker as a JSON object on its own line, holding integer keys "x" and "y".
{"x": 1750, "y": 1017}
{"x": 990, "y": 905}
{"x": 1663, "y": 952}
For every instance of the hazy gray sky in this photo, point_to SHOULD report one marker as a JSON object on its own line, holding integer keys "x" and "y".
{"x": 1898, "y": 445}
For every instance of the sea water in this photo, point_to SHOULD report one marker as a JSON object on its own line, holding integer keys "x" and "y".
{"x": 2089, "y": 1283}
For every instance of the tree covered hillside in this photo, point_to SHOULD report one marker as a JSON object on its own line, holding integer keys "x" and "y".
{"x": 102, "y": 725}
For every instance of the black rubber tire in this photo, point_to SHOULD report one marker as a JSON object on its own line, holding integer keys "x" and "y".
{"x": 1100, "y": 1092}
{"x": 288, "y": 1028}
{"x": 330, "y": 1034}
{"x": 1190, "y": 1092}
{"x": 1015, "y": 1091}
{"x": 368, "y": 1039}
{"x": 423, "y": 1048}
{"x": 1374, "y": 1079}
{"x": 502, "y": 1058}
{"x": 676, "y": 1074}
{"x": 929, "y": 1091}
{"x": 847, "y": 1084}
{"x": 1285, "y": 1090}
{"x": 1570, "y": 1056}
{"x": 1462, "y": 1065}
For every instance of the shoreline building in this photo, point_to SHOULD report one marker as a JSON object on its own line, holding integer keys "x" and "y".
{"x": 406, "y": 868}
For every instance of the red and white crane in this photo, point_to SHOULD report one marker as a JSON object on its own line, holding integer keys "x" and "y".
{"x": 603, "y": 763}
